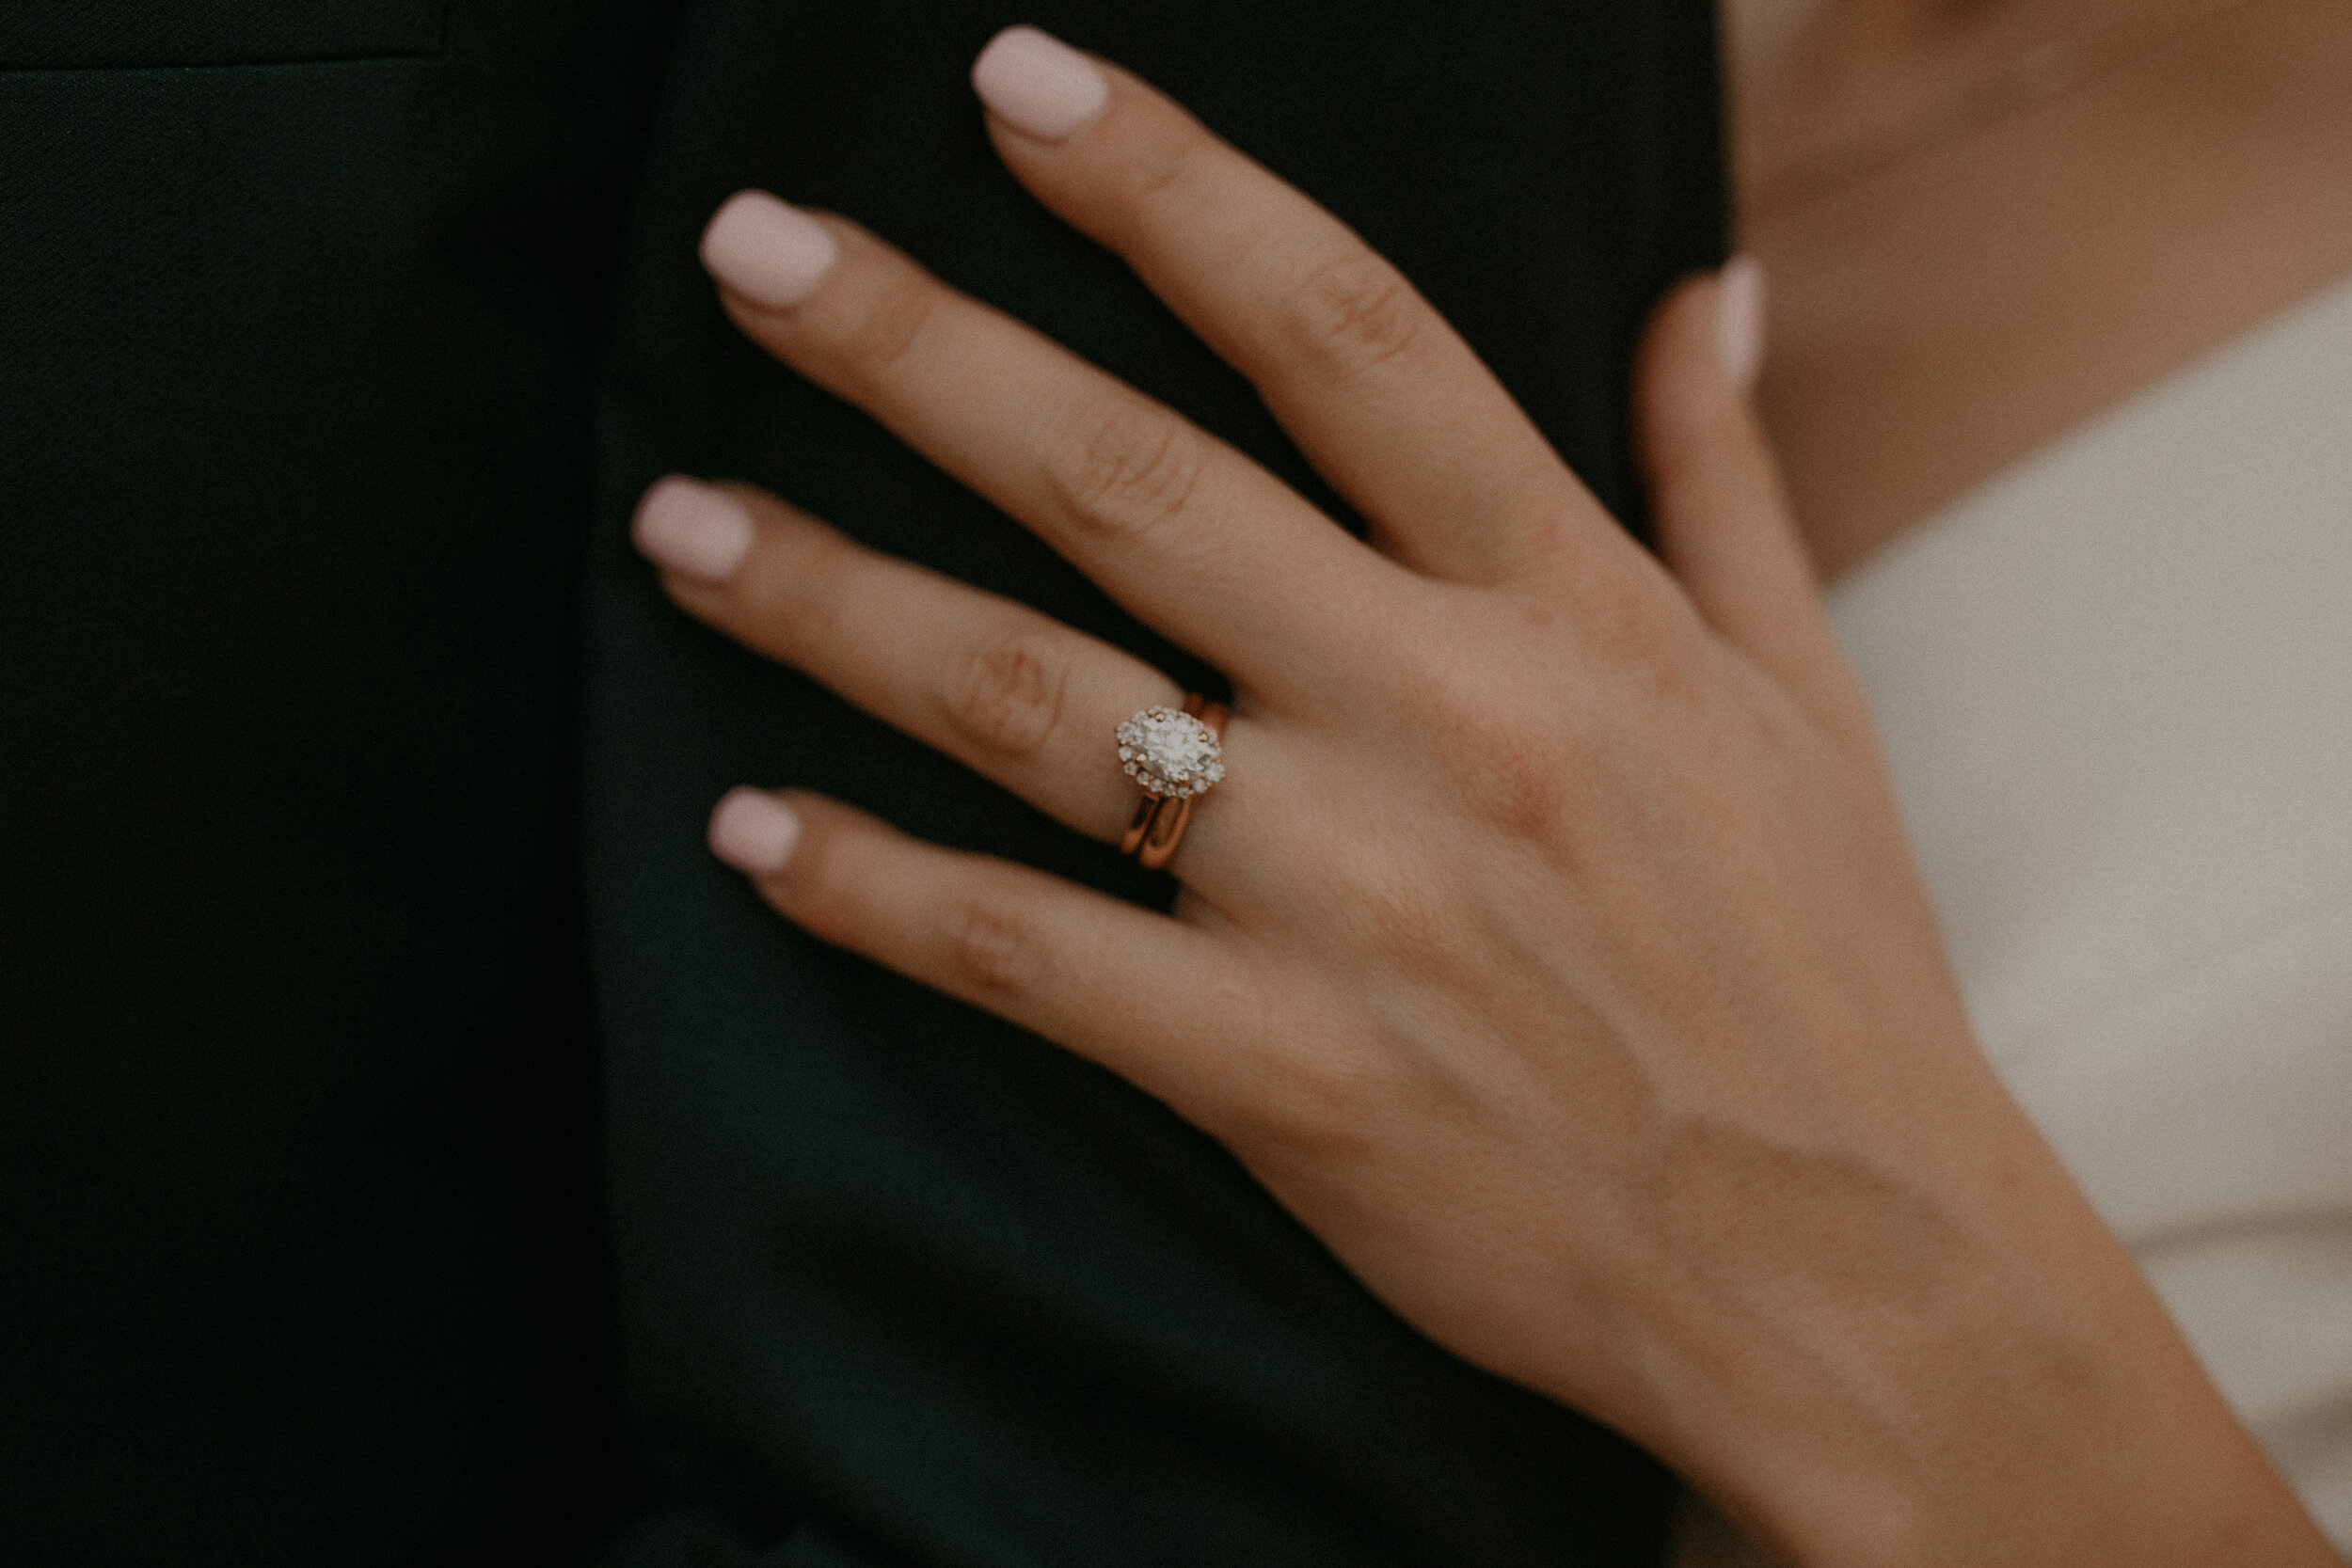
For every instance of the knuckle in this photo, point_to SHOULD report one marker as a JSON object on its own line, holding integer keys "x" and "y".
{"x": 1659, "y": 660}
{"x": 1406, "y": 918}
{"x": 824, "y": 884}
{"x": 992, "y": 950}
{"x": 797, "y": 603}
{"x": 1124, "y": 467}
{"x": 1157, "y": 172}
{"x": 1007, "y": 693}
{"x": 1506, "y": 767}
{"x": 869, "y": 330}
{"x": 1314, "y": 1100}
{"x": 1353, "y": 315}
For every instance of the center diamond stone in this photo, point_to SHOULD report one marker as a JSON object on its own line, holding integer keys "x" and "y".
{"x": 1170, "y": 752}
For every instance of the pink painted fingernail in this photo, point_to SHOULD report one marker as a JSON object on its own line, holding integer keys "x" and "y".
{"x": 754, "y": 831}
{"x": 770, "y": 253}
{"x": 1740, "y": 321}
{"x": 1036, "y": 83}
{"x": 694, "y": 529}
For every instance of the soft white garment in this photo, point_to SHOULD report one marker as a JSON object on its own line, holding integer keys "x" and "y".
{"x": 2115, "y": 689}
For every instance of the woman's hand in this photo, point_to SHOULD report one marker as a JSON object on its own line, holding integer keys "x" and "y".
{"x": 1552, "y": 950}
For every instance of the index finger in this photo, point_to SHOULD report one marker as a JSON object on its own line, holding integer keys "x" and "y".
{"x": 1376, "y": 388}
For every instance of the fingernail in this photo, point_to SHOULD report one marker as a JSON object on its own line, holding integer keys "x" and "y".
{"x": 694, "y": 529}
{"x": 1036, "y": 83}
{"x": 754, "y": 831}
{"x": 1740, "y": 320}
{"x": 770, "y": 253}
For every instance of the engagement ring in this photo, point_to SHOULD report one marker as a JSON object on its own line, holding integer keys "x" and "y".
{"x": 1175, "y": 755}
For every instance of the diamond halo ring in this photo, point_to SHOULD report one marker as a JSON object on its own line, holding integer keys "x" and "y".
{"x": 1175, "y": 755}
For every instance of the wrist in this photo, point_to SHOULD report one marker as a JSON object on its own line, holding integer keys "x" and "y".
{"x": 1968, "y": 1372}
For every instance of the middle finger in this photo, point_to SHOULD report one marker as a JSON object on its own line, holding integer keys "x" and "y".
{"x": 1189, "y": 535}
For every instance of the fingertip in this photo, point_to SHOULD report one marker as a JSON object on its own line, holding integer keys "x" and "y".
{"x": 767, "y": 250}
{"x": 754, "y": 831}
{"x": 1740, "y": 321}
{"x": 1682, "y": 388}
{"x": 695, "y": 529}
{"x": 1038, "y": 84}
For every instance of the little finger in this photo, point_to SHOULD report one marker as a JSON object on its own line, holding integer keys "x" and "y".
{"x": 1088, "y": 971}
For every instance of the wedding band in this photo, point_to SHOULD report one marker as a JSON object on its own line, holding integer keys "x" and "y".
{"x": 1175, "y": 755}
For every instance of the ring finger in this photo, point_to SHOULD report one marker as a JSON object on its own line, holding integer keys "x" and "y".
{"x": 1012, "y": 694}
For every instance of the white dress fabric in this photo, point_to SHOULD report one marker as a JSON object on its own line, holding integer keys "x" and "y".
{"x": 2114, "y": 685}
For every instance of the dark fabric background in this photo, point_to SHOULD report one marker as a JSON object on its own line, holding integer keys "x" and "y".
{"x": 112, "y": 34}
{"x": 902, "y": 1285}
{"x": 302, "y": 1261}
{"x": 301, "y": 314}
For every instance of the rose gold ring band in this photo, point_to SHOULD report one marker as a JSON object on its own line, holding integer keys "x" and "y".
{"x": 1160, "y": 820}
